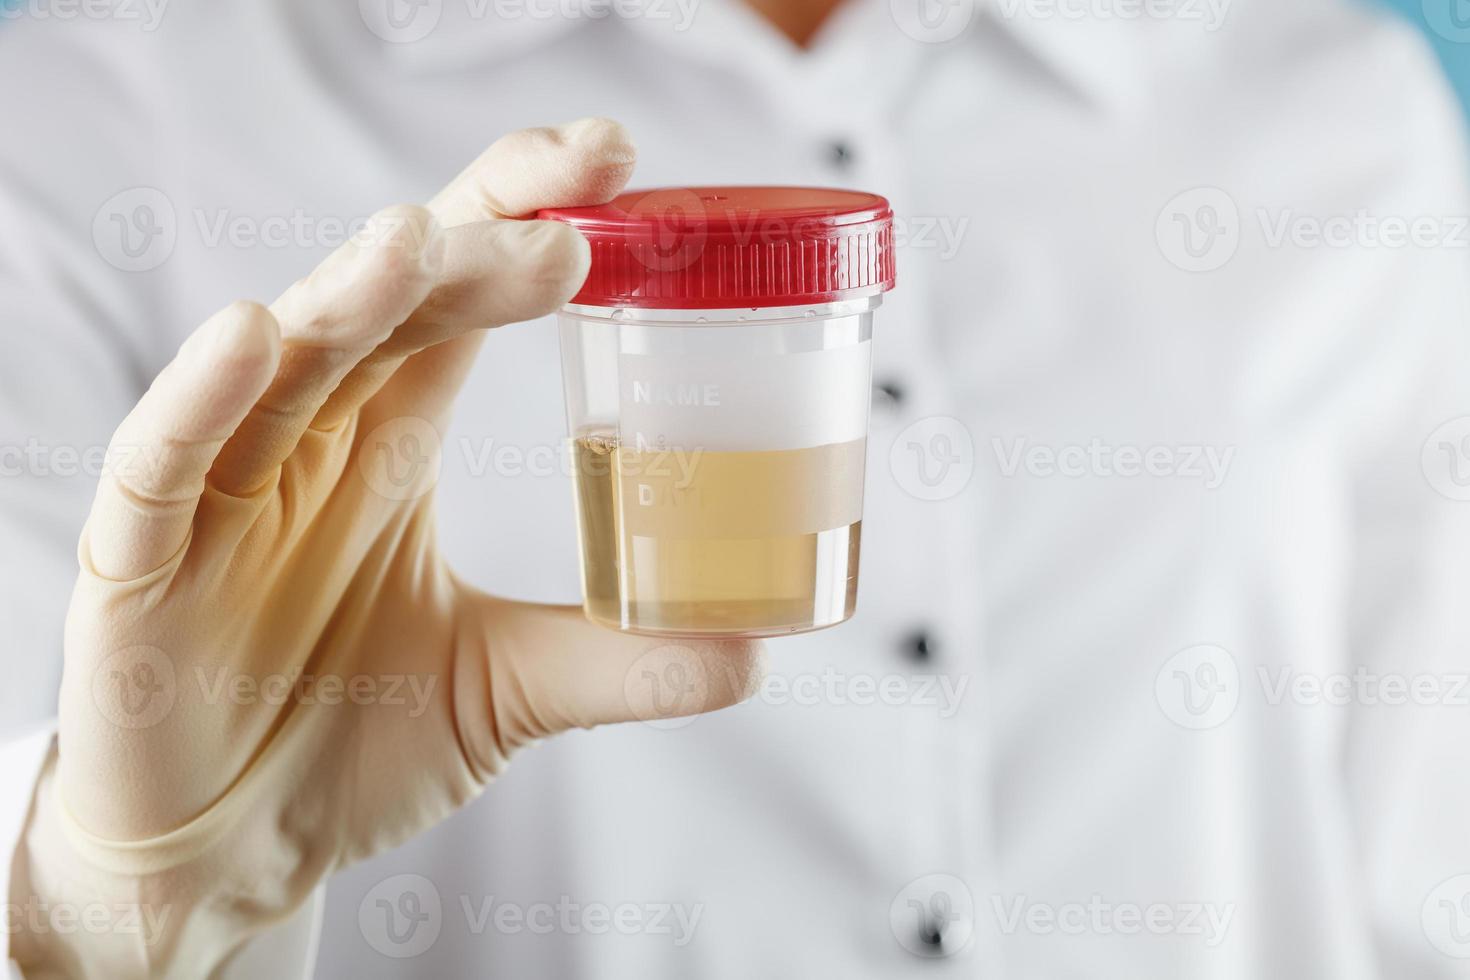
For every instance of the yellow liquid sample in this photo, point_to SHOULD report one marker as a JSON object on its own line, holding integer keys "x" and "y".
{"x": 701, "y": 543}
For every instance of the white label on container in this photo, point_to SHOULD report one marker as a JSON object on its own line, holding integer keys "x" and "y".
{"x": 727, "y": 403}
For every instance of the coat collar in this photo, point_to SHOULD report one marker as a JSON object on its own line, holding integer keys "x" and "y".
{"x": 1093, "y": 48}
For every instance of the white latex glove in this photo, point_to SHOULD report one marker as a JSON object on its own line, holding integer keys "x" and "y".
{"x": 256, "y": 526}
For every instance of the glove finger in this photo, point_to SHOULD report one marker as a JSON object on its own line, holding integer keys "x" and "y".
{"x": 495, "y": 272}
{"x": 163, "y": 450}
{"x": 525, "y": 671}
{"x": 330, "y": 321}
{"x": 581, "y": 163}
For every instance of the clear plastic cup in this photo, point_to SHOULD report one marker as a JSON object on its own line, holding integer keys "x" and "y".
{"x": 718, "y": 370}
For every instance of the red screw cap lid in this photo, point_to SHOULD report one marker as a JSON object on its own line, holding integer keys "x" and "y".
{"x": 730, "y": 247}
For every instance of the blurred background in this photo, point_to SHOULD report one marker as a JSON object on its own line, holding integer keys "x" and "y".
{"x": 1445, "y": 26}
{"x": 1161, "y": 661}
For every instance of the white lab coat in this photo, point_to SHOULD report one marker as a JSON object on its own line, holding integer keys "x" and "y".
{"x": 1120, "y": 478}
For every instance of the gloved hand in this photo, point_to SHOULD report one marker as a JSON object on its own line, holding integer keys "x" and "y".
{"x": 270, "y": 671}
